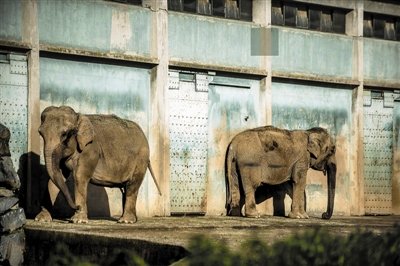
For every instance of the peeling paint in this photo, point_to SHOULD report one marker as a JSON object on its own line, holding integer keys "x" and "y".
{"x": 121, "y": 32}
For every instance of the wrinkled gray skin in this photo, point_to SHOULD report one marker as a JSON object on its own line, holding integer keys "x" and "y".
{"x": 8, "y": 177}
{"x": 269, "y": 155}
{"x": 102, "y": 149}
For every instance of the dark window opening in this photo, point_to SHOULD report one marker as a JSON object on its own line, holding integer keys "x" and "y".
{"x": 190, "y": 6}
{"x": 315, "y": 19}
{"x": 381, "y": 26}
{"x": 338, "y": 21}
{"x": 397, "y": 26}
{"x": 218, "y": 8}
{"x": 246, "y": 10}
{"x": 308, "y": 16}
{"x": 290, "y": 15}
{"x": 131, "y": 2}
{"x": 233, "y": 9}
{"x": 176, "y": 5}
{"x": 378, "y": 26}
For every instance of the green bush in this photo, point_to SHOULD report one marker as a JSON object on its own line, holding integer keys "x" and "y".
{"x": 312, "y": 247}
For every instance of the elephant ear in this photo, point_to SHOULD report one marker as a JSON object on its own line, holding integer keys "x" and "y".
{"x": 313, "y": 146}
{"x": 85, "y": 132}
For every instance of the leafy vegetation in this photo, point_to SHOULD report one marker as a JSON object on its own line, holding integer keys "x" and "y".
{"x": 313, "y": 247}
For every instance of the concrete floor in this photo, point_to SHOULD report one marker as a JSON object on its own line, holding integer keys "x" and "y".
{"x": 177, "y": 231}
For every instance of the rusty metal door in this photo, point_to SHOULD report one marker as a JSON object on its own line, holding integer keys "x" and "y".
{"x": 188, "y": 133}
{"x": 378, "y": 152}
{"x": 14, "y": 102}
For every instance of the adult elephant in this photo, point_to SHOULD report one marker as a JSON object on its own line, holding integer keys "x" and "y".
{"x": 269, "y": 155}
{"x": 102, "y": 149}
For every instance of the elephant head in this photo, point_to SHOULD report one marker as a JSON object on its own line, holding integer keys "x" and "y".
{"x": 64, "y": 131}
{"x": 321, "y": 147}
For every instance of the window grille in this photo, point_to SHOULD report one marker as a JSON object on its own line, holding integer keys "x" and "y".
{"x": 232, "y": 9}
{"x": 313, "y": 17}
{"x": 381, "y": 27}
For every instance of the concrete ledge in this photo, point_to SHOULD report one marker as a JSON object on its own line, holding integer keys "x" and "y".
{"x": 162, "y": 240}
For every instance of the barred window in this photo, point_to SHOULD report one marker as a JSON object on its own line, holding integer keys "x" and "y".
{"x": 313, "y": 17}
{"x": 381, "y": 26}
{"x": 233, "y": 9}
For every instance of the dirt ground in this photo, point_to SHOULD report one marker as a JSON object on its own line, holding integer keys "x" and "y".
{"x": 177, "y": 231}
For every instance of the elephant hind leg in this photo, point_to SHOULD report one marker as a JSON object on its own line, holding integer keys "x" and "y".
{"x": 131, "y": 194}
{"x": 248, "y": 176}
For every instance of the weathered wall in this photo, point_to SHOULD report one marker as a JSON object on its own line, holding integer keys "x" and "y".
{"x": 315, "y": 53}
{"x": 101, "y": 88}
{"x": 233, "y": 107}
{"x": 98, "y": 26}
{"x": 210, "y": 41}
{"x": 11, "y": 20}
{"x": 396, "y": 159}
{"x": 381, "y": 60}
{"x": 303, "y": 106}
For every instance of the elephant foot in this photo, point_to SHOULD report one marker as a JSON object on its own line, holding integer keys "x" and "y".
{"x": 79, "y": 218}
{"x": 128, "y": 219}
{"x": 298, "y": 215}
{"x": 43, "y": 216}
{"x": 252, "y": 214}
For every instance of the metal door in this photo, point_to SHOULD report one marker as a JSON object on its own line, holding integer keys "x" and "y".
{"x": 188, "y": 133}
{"x": 378, "y": 152}
{"x": 13, "y": 102}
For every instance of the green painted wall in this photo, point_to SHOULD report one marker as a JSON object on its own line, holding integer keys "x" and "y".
{"x": 381, "y": 60}
{"x": 298, "y": 106}
{"x": 95, "y": 25}
{"x": 233, "y": 107}
{"x": 316, "y": 53}
{"x": 208, "y": 40}
{"x": 10, "y": 20}
{"x": 103, "y": 89}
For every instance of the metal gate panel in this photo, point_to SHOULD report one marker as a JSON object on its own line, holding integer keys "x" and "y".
{"x": 13, "y": 102}
{"x": 378, "y": 154}
{"x": 188, "y": 131}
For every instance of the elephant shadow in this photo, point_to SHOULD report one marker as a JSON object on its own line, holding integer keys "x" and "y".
{"x": 276, "y": 192}
{"x": 97, "y": 203}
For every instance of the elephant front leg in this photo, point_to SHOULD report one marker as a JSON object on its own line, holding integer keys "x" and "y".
{"x": 298, "y": 200}
{"x": 81, "y": 185}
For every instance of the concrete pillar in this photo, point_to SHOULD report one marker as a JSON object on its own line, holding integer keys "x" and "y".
{"x": 30, "y": 36}
{"x": 159, "y": 205}
{"x": 262, "y": 17}
{"x": 354, "y": 28}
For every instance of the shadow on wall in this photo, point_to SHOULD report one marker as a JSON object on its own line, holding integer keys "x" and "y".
{"x": 36, "y": 194}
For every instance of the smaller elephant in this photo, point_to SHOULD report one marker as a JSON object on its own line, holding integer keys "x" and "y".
{"x": 8, "y": 176}
{"x": 269, "y": 155}
{"x": 102, "y": 149}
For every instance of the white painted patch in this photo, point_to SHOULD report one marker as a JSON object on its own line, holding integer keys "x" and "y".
{"x": 121, "y": 31}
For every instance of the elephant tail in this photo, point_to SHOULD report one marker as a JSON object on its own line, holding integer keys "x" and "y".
{"x": 232, "y": 180}
{"x": 154, "y": 178}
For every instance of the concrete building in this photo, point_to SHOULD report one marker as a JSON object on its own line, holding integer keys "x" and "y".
{"x": 193, "y": 73}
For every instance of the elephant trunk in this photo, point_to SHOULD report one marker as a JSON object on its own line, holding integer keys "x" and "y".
{"x": 52, "y": 160}
{"x": 331, "y": 171}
